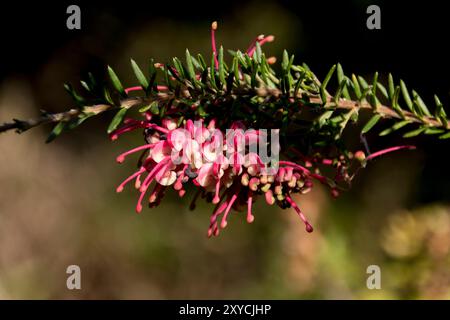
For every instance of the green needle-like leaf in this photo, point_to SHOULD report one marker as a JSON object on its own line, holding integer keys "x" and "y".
{"x": 371, "y": 123}
{"x": 139, "y": 75}
{"x": 323, "y": 90}
{"x": 57, "y": 130}
{"x": 115, "y": 81}
{"x": 406, "y": 96}
{"x": 117, "y": 119}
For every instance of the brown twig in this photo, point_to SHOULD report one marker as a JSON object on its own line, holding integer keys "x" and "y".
{"x": 385, "y": 111}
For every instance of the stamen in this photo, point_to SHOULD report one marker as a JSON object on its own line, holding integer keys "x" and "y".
{"x": 137, "y": 183}
{"x": 216, "y": 198}
{"x": 121, "y": 157}
{"x": 252, "y": 45}
{"x": 224, "y": 222}
{"x": 134, "y": 175}
{"x": 154, "y": 195}
{"x": 322, "y": 179}
{"x": 159, "y": 166}
{"x": 261, "y": 42}
{"x": 391, "y": 149}
{"x": 156, "y": 127}
{"x": 128, "y": 127}
{"x": 213, "y": 218}
{"x": 213, "y": 43}
{"x": 296, "y": 166}
{"x": 308, "y": 226}
{"x": 250, "y": 216}
{"x": 137, "y": 88}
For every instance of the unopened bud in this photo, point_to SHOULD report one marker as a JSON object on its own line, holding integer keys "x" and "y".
{"x": 278, "y": 189}
{"x": 269, "y": 197}
{"x": 360, "y": 156}
{"x": 305, "y": 190}
{"x": 265, "y": 187}
{"x": 334, "y": 193}
{"x": 245, "y": 179}
{"x": 271, "y": 60}
{"x": 253, "y": 184}
{"x": 263, "y": 179}
{"x": 293, "y": 182}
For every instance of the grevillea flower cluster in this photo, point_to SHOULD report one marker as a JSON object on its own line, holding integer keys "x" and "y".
{"x": 174, "y": 158}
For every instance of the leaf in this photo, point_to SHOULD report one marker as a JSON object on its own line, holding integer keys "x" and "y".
{"x": 75, "y": 96}
{"x": 372, "y": 122}
{"x": 254, "y": 73}
{"x": 221, "y": 67}
{"x": 285, "y": 61}
{"x": 419, "y": 102}
{"x": 152, "y": 71}
{"x": 201, "y": 62}
{"x": 57, "y": 130}
{"x": 153, "y": 107}
{"x": 383, "y": 90}
{"x": 323, "y": 92}
{"x": 324, "y": 117}
{"x": 212, "y": 72}
{"x": 440, "y": 112}
{"x": 363, "y": 83}
{"x": 167, "y": 78}
{"x": 406, "y": 96}
{"x": 341, "y": 77}
{"x": 391, "y": 86}
{"x": 434, "y": 131}
{"x": 107, "y": 96}
{"x": 139, "y": 75}
{"x": 92, "y": 81}
{"x": 340, "y": 90}
{"x": 395, "y": 127}
{"x": 77, "y": 121}
{"x": 356, "y": 87}
{"x": 196, "y": 64}
{"x": 414, "y": 132}
{"x": 179, "y": 67}
{"x": 297, "y": 85}
{"x": 117, "y": 119}
{"x": 85, "y": 86}
{"x": 236, "y": 70}
{"x": 115, "y": 81}
{"x": 258, "y": 53}
{"x": 241, "y": 59}
{"x": 374, "y": 84}
{"x": 190, "y": 67}
{"x": 445, "y": 136}
{"x": 395, "y": 104}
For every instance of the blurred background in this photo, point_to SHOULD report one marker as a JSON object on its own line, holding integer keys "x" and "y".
{"x": 58, "y": 204}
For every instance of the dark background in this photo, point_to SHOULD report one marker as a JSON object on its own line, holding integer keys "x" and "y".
{"x": 57, "y": 201}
